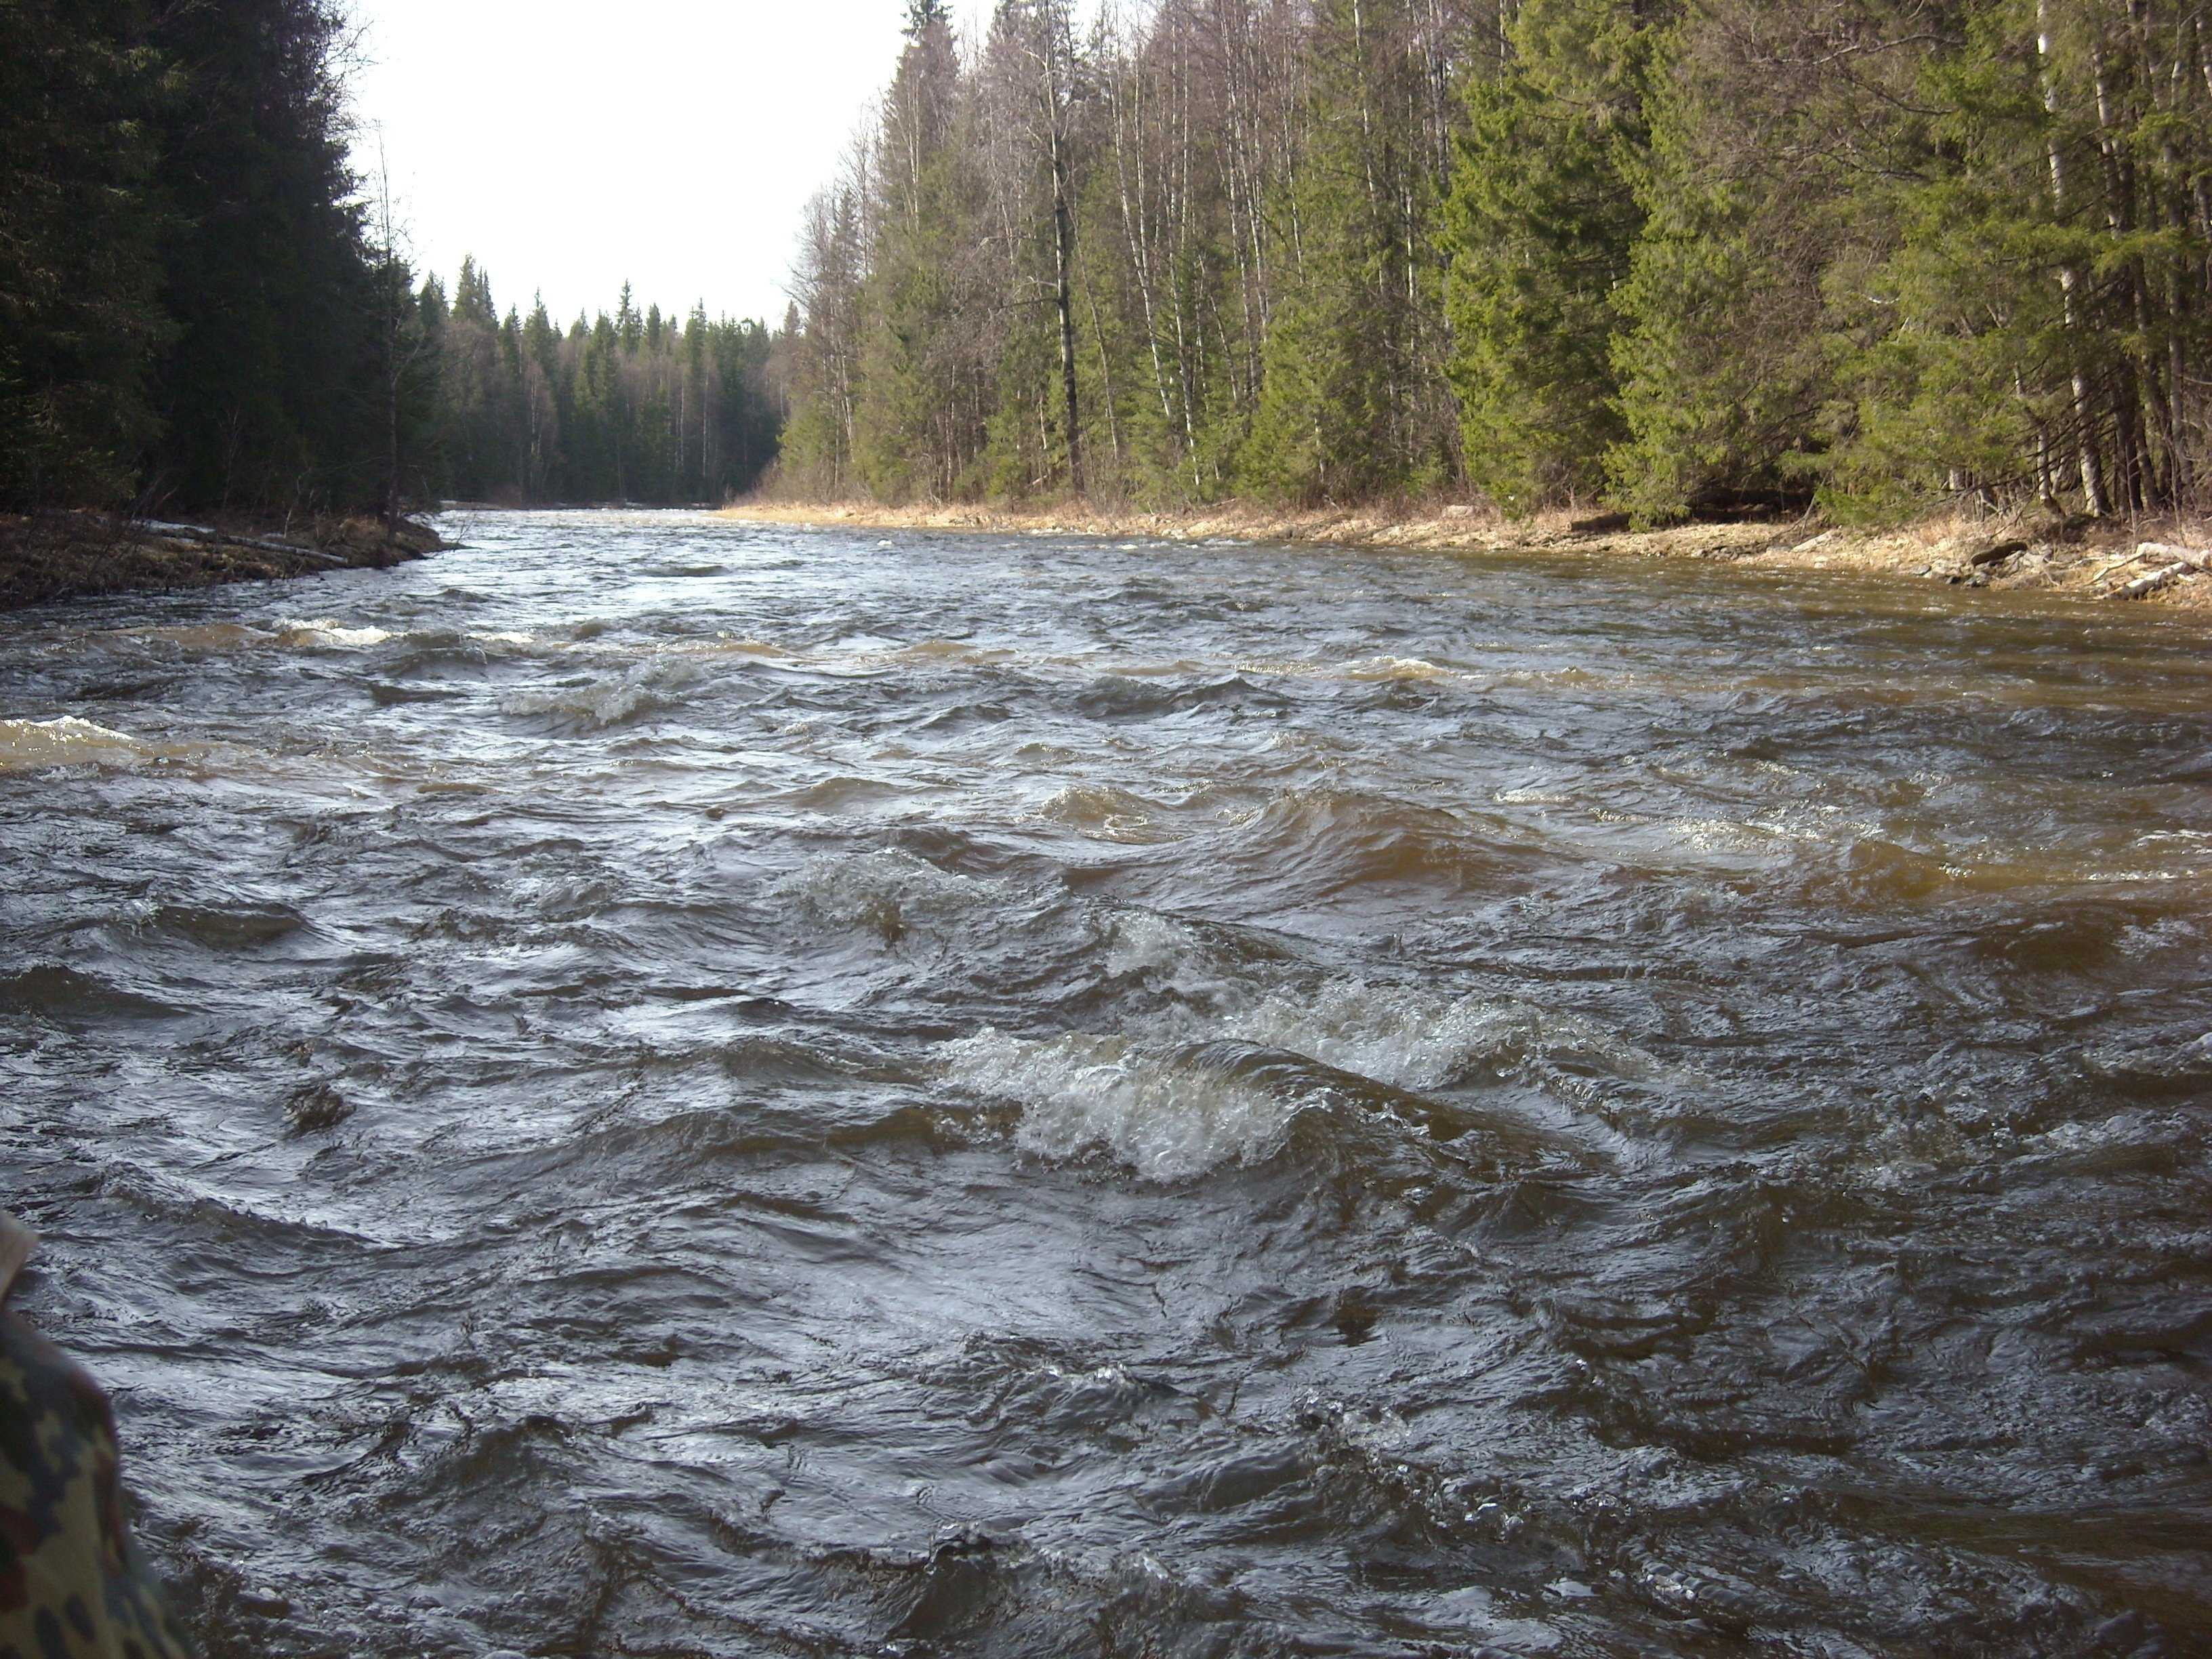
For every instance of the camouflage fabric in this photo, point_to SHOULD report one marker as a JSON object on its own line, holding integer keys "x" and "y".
{"x": 72, "y": 1584}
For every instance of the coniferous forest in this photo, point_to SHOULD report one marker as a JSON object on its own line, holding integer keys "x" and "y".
{"x": 190, "y": 303}
{"x": 1677, "y": 255}
{"x": 634, "y": 407}
{"x": 1673, "y": 255}
{"x": 202, "y": 307}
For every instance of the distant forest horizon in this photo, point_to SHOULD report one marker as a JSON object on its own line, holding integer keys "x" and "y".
{"x": 204, "y": 307}
{"x": 1670, "y": 256}
{"x": 642, "y": 406}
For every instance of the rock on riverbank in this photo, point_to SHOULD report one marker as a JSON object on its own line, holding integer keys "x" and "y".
{"x": 57, "y": 556}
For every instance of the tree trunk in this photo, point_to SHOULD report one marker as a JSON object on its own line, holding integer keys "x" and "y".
{"x": 1063, "y": 249}
{"x": 2069, "y": 282}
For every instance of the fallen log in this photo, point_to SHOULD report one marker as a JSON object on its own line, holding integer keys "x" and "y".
{"x": 2150, "y": 583}
{"x": 192, "y": 532}
{"x": 2119, "y": 562}
{"x": 2190, "y": 557}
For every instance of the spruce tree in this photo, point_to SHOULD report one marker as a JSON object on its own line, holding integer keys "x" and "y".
{"x": 1543, "y": 220}
{"x": 1339, "y": 372}
{"x": 903, "y": 439}
{"x": 80, "y": 321}
{"x": 271, "y": 394}
{"x": 1766, "y": 182}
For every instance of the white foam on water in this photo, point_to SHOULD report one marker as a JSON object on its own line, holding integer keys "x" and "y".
{"x": 1141, "y": 1096}
{"x": 26, "y": 744}
{"x": 1397, "y": 1036}
{"x": 1140, "y": 940}
{"x": 1173, "y": 956}
{"x": 598, "y": 703}
{"x": 1166, "y": 1119}
{"x": 321, "y": 633}
{"x": 1100, "y": 812}
{"x": 2121, "y": 1132}
{"x": 887, "y": 892}
{"x": 1396, "y": 668}
{"x": 2167, "y": 933}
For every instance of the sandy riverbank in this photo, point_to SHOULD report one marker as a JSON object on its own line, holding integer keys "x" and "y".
{"x": 2027, "y": 551}
{"x": 59, "y": 555}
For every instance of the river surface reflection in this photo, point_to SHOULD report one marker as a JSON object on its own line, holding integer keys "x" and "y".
{"x": 664, "y": 1085}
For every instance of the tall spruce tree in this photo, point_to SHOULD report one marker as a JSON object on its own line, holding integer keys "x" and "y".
{"x": 1543, "y": 222}
{"x": 1341, "y": 371}
{"x": 908, "y": 436}
{"x": 80, "y": 320}
{"x": 1765, "y": 185}
{"x": 269, "y": 393}
{"x": 2033, "y": 323}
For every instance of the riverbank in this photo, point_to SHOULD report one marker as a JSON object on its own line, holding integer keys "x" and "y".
{"x": 2161, "y": 561}
{"x": 59, "y": 555}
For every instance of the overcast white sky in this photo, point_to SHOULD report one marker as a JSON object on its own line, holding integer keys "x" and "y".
{"x": 569, "y": 146}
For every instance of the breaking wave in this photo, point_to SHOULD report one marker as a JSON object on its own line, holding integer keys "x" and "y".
{"x": 58, "y": 741}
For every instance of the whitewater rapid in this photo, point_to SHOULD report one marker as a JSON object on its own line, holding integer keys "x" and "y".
{"x": 661, "y": 1084}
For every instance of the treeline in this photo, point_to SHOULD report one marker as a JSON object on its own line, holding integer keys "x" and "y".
{"x": 203, "y": 307}
{"x": 1673, "y": 254}
{"x": 192, "y": 313}
{"x": 631, "y": 407}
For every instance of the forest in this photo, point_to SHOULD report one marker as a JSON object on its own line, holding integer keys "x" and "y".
{"x": 204, "y": 307}
{"x": 634, "y": 407}
{"x": 191, "y": 307}
{"x": 1674, "y": 256}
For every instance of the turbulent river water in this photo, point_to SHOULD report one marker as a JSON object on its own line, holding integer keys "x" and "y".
{"x": 660, "y": 1086}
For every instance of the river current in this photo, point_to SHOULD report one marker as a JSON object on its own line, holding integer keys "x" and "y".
{"x": 663, "y": 1085}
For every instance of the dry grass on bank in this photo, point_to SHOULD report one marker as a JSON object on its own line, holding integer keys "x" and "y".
{"x": 2021, "y": 550}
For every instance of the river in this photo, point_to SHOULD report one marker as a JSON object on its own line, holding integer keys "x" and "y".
{"x": 661, "y": 1085}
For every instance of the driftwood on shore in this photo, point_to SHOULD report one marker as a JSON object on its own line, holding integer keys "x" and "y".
{"x": 2195, "y": 560}
{"x": 192, "y": 532}
{"x": 2179, "y": 563}
{"x": 2147, "y": 585}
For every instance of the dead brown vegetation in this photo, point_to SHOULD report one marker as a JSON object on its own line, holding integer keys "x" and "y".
{"x": 2028, "y": 551}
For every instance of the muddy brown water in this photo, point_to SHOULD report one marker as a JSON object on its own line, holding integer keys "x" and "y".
{"x": 657, "y": 1085}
